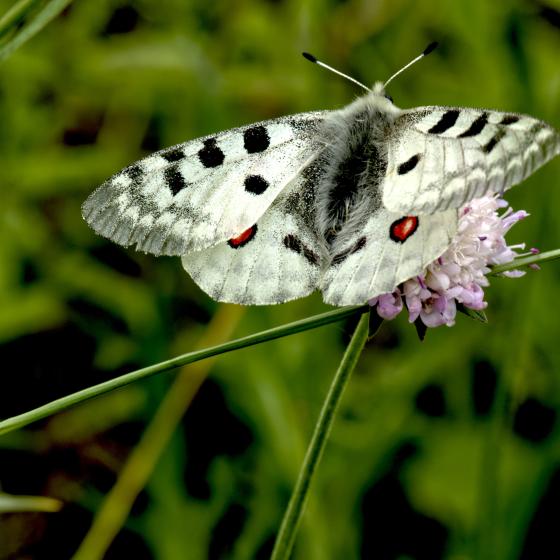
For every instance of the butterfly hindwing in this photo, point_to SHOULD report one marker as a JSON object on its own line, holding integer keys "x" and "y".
{"x": 389, "y": 249}
{"x": 441, "y": 157}
{"x": 203, "y": 192}
{"x": 276, "y": 260}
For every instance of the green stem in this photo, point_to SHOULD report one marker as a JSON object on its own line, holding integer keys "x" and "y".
{"x": 63, "y": 403}
{"x": 286, "y": 536}
{"x": 525, "y": 261}
{"x": 15, "y": 14}
{"x": 43, "y": 16}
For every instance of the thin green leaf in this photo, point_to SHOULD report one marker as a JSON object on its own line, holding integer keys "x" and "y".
{"x": 421, "y": 329}
{"x": 18, "y": 12}
{"x": 477, "y": 315}
{"x": 63, "y": 403}
{"x": 10, "y": 503}
{"x": 525, "y": 261}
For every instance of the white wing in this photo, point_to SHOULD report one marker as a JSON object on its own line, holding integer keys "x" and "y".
{"x": 441, "y": 157}
{"x": 276, "y": 260}
{"x": 195, "y": 195}
{"x": 390, "y": 249}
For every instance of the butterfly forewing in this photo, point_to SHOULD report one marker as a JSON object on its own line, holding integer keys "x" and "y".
{"x": 198, "y": 194}
{"x": 441, "y": 157}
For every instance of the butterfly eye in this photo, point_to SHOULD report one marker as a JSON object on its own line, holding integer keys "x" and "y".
{"x": 387, "y": 96}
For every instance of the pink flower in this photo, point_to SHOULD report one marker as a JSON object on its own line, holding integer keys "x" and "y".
{"x": 459, "y": 275}
{"x": 388, "y": 305}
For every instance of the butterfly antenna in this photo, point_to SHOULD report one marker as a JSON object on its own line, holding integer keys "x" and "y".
{"x": 311, "y": 58}
{"x": 425, "y": 52}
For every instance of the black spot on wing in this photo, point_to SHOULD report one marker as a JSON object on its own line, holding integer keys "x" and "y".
{"x": 211, "y": 155}
{"x": 174, "y": 179}
{"x": 135, "y": 172}
{"x": 173, "y": 154}
{"x": 294, "y": 244}
{"x": 311, "y": 257}
{"x": 360, "y": 244}
{"x": 509, "y": 119}
{"x": 477, "y": 126}
{"x": 256, "y": 184}
{"x": 491, "y": 144}
{"x": 256, "y": 139}
{"x": 537, "y": 127}
{"x": 447, "y": 120}
{"x": 409, "y": 165}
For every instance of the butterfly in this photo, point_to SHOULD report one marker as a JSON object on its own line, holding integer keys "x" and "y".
{"x": 352, "y": 202}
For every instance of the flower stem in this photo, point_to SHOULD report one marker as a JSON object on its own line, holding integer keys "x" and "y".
{"x": 292, "y": 517}
{"x": 63, "y": 403}
{"x": 525, "y": 261}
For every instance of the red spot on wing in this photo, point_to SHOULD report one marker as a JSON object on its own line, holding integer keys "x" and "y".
{"x": 403, "y": 228}
{"x": 243, "y": 238}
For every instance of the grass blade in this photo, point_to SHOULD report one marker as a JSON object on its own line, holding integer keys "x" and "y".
{"x": 63, "y": 403}
{"x": 18, "y": 13}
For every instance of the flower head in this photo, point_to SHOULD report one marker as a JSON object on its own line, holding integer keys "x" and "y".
{"x": 459, "y": 275}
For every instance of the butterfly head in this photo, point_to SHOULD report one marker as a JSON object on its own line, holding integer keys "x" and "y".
{"x": 378, "y": 89}
{"x": 380, "y": 99}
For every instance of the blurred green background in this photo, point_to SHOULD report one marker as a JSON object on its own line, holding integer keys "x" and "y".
{"x": 443, "y": 449}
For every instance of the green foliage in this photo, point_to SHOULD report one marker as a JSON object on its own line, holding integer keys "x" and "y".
{"x": 25, "y": 19}
{"x": 418, "y": 458}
